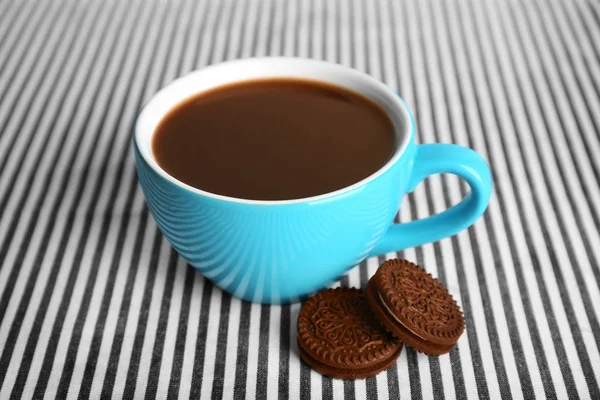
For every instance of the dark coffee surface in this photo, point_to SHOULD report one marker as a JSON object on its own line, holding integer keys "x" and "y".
{"x": 275, "y": 139}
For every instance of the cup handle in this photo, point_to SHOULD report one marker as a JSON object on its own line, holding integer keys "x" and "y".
{"x": 433, "y": 159}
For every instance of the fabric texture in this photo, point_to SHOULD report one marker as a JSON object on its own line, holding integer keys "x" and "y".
{"x": 94, "y": 302}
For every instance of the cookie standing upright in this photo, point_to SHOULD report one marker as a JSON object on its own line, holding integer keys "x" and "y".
{"x": 338, "y": 336}
{"x": 415, "y": 307}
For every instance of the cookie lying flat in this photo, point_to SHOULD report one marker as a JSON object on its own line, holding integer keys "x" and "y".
{"x": 415, "y": 307}
{"x": 339, "y": 337}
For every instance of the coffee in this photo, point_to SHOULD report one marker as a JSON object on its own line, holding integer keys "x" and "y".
{"x": 274, "y": 139}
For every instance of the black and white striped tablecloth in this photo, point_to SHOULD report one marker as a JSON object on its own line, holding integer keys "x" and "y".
{"x": 93, "y": 301}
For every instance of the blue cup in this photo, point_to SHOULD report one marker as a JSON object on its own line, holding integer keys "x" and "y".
{"x": 281, "y": 251}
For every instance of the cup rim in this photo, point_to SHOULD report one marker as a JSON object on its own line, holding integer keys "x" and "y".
{"x": 264, "y": 68}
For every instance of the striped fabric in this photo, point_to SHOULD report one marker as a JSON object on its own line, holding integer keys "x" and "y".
{"x": 93, "y": 301}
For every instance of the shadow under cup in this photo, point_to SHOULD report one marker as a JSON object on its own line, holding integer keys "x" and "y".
{"x": 281, "y": 251}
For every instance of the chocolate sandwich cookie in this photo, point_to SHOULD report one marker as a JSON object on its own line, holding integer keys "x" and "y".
{"x": 415, "y": 307}
{"x": 338, "y": 336}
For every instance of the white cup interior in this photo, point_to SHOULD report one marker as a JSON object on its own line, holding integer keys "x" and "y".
{"x": 262, "y": 68}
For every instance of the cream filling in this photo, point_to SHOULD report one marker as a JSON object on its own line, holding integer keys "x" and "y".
{"x": 396, "y": 318}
